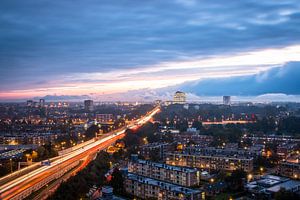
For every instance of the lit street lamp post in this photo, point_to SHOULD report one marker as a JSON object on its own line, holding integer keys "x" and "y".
{"x": 11, "y": 168}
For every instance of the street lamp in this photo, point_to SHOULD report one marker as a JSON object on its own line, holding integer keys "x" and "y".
{"x": 295, "y": 176}
{"x": 250, "y": 176}
{"x": 11, "y": 169}
{"x": 261, "y": 169}
{"x": 62, "y": 144}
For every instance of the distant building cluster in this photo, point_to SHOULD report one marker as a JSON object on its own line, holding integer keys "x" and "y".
{"x": 179, "y": 97}
{"x": 31, "y": 103}
{"x": 42, "y": 103}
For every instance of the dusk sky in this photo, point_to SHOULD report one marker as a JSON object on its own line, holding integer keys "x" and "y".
{"x": 101, "y": 47}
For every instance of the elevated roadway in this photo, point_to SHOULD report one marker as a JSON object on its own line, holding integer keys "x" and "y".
{"x": 25, "y": 184}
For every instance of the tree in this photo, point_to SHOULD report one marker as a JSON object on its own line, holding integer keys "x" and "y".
{"x": 290, "y": 124}
{"x": 283, "y": 194}
{"x": 4, "y": 169}
{"x": 182, "y": 125}
{"x": 118, "y": 155}
{"x": 45, "y": 152}
{"x": 235, "y": 180}
{"x": 131, "y": 139}
{"x": 77, "y": 186}
{"x": 197, "y": 125}
{"x": 91, "y": 131}
{"x": 117, "y": 182}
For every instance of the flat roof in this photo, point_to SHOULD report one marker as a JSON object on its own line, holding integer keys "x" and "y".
{"x": 162, "y": 184}
{"x": 236, "y": 157}
{"x": 273, "y": 177}
{"x": 166, "y": 166}
{"x": 288, "y": 185}
{"x": 268, "y": 182}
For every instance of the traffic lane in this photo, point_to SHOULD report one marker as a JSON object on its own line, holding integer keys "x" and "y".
{"x": 27, "y": 183}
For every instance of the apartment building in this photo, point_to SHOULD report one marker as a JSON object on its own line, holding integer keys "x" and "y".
{"x": 289, "y": 169}
{"x": 285, "y": 149}
{"x": 251, "y": 151}
{"x": 210, "y": 161}
{"x": 174, "y": 174}
{"x": 146, "y": 188}
{"x": 193, "y": 136}
{"x": 158, "y": 148}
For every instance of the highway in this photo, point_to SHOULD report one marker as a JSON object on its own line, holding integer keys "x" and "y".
{"x": 24, "y": 185}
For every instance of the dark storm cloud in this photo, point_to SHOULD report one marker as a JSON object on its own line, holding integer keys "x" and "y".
{"x": 42, "y": 41}
{"x": 277, "y": 80}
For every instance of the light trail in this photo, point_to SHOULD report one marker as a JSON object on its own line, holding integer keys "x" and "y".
{"x": 12, "y": 188}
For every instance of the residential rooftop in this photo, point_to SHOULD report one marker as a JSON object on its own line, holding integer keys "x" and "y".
{"x": 162, "y": 184}
{"x": 289, "y": 185}
{"x": 166, "y": 166}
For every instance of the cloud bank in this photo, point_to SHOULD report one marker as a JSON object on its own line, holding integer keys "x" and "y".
{"x": 92, "y": 47}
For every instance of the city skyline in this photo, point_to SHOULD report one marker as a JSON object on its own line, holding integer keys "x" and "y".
{"x": 107, "y": 49}
{"x": 149, "y": 99}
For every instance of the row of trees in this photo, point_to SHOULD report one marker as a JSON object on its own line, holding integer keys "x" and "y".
{"x": 268, "y": 123}
{"x": 45, "y": 152}
{"x": 77, "y": 186}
